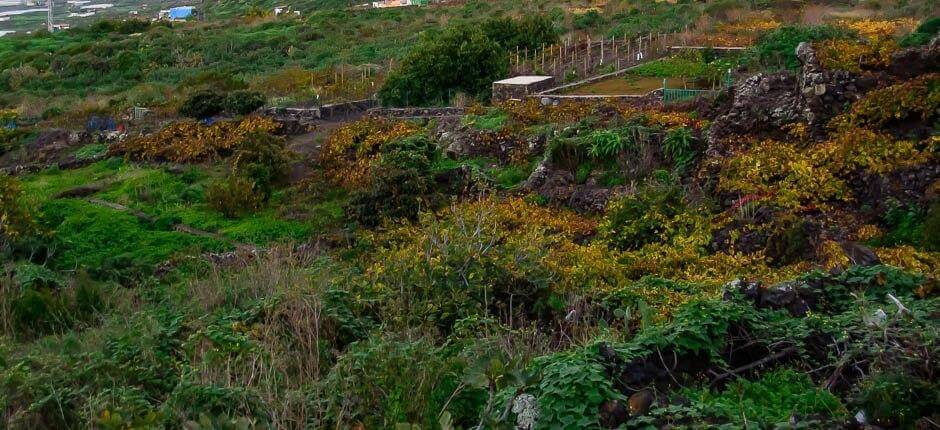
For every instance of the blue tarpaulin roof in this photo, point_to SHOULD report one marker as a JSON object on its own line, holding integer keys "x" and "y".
{"x": 181, "y": 12}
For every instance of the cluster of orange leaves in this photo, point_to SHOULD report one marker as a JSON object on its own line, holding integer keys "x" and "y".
{"x": 665, "y": 119}
{"x": 917, "y": 97}
{"x": 189, "y": 141}
{"x": 854, "y": 56}
{"x": 352, "y": 150}
{"x": 879, "y": 28}
{"x": 531, "y": 112}
{"x": 751, "y": 26}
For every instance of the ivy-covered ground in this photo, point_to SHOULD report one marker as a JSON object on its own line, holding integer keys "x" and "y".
{"x": 529, "y": 266}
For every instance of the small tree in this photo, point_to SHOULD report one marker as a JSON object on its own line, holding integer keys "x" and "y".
{"x": 462, "y": 59}
{"x": 244, "y": 102}
{"x": 203, "y": 104}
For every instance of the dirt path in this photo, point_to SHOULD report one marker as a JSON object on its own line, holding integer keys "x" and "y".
{"x": 307, "y": 147}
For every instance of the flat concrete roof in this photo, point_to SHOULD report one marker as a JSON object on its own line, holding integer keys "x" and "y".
{"x": 523, "y": 80}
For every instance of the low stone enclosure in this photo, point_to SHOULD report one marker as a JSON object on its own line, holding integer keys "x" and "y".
{"x": 415, "y": 112}
{"x": 325, "y": 112}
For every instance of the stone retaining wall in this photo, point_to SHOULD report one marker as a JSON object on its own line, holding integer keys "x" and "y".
{"x": 415, "y": 112}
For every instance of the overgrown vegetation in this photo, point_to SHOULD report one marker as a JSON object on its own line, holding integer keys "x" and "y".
{"x": 528, "y": 264}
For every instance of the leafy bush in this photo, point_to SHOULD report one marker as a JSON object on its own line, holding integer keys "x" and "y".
{"x": 234, "y": 196}
{"x": 652, "y": 214}
{"x": 913, "y": 99}
{"x": 770, "y": 400}
{"x": 243, "y": 102}
{"x": 679, "y": 144}
{"x": 41, "y": 302}
{"x": 923, "y": 34}
{"x": 463, "y": 59}
{"x": 461, "y": 264}
{"x": 189, "y": 141}
{"x": 261, "y": 158}
{"x": 203, "y": 104}
{"x": 402, "y": 185}
{"x": 588, "y": 20}
{"x": 572, "y": 388}
{"x": 349, "y": 154}
{"x": 528, "y": 32}
{"x": 17, "y": 220}
{"x": 896, "y": 399}
{"x": 383, "y": 381}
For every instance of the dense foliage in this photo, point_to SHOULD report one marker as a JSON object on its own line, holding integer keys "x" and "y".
{"x": 463, "y": 59}
{"x": 524, "y": 264}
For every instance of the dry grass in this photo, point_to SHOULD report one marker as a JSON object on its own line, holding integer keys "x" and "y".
{"x": 290, "y": 341}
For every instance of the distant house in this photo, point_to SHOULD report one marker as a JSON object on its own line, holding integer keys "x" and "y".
{"x": 180, "y": 13}
{"x": 398, "y": 3}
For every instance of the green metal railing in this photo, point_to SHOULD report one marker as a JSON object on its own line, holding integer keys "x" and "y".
{"x": 675, "y": 95}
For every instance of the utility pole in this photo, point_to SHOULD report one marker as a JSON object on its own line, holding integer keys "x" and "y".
{"x": 49, "y": 15}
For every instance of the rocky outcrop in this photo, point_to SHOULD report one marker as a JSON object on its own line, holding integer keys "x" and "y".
{"x": 823, "y": 93}
{"x": 559, "y": 187}
{"x": 556, "y": 185}
{"x": 762, "y": 102}
{"x": 912, "y": 62}
{"x": 766, "y": 102}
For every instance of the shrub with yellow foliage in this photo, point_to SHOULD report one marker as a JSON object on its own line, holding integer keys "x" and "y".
{"x": 880, "y": 28}
{"x": 352, "y": 150}
{"x": 191, "y": 141}
{"x": 17, "y": 221}
{"x": 797, "y": 174}
{"x": 916, "y": 98}
{"x": 855, "y": 56}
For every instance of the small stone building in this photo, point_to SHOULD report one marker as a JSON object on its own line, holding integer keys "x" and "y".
{"x": 517, "y": 88}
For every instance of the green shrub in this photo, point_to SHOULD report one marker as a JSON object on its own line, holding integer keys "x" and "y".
{"x": 894, "y": 399}
{"x": 403, "y": 184}
{"x": 528, "y": 32}
{"x": 244, "y": 102}
{"x": 203, "y": 104}
{"x": 929, "y": 26}
{"x": 651, "y": 214}
{"x": 462, "y": 59}
{"x": 42, "y": 302}
{"x": 234, "y": 196}
{"x": 384, "y": 381}
{"x": 931, "y": 228}
{"x": 680, "y": 145}
{"x": 261, "y": 158}
{"x": 572, "y": 388}
{"x": 589, "y": 20}
{"x": 768, "y": 401}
